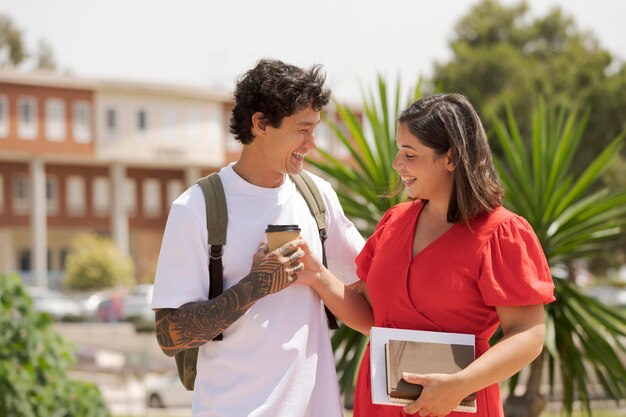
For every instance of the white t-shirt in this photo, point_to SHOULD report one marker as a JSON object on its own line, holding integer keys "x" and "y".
{"x": 275, "y": 360}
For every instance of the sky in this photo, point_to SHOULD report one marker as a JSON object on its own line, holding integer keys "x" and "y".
{"x": 209, "y": 43}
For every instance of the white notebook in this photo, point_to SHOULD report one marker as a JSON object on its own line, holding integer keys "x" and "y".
{"x": 446, "y": 346}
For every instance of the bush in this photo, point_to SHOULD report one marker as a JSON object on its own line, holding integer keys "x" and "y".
{"x": 95, "y": 263}
{"x": 34, "y": 361}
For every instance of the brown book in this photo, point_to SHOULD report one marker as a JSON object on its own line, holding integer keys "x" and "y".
{"x": 424, "y": 358}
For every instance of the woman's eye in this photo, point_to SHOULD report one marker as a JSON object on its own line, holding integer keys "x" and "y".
{"x": 410, "y": 157}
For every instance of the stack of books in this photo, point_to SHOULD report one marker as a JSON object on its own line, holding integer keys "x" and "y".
{"x": 394, "y": 351}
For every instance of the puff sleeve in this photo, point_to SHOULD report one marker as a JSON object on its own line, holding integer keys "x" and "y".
{"x": 514, "y": 270}
{"x": 364, "y": 259}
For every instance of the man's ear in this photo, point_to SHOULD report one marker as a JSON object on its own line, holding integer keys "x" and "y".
{"x": 259, "y": 124}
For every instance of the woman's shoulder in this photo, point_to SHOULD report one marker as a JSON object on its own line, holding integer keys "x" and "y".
{"x": 395, "y": 213}
{"x": 500, "y": 219}
{"x": 401, "y": 208}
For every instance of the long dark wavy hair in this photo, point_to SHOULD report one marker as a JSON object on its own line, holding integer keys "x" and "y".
{"x": 277, "y": 90}
{"x": 449, "y": 122}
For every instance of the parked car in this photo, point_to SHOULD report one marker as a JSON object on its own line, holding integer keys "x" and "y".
{"x": 56, "y": 304}
{"x": 137, "y": 303}
{"x": 167, "y": 391}
{"x": 118, "y": 304}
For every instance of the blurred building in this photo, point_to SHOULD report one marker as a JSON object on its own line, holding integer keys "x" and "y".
{"x": 108, "y": 157}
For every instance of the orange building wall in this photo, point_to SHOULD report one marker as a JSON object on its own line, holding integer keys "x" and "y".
{"x": 40, "y": 145}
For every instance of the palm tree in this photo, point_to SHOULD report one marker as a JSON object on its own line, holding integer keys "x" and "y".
{"x": 572, "y": 219}
{"x": 359, "y": 188}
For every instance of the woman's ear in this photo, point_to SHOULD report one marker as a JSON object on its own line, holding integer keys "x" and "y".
{"x": 450, "y": 160}
{"x": 259, "y": 124}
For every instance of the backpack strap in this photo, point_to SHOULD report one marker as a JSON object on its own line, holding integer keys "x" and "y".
{"x": 313, "y": 197}
{"x": 217, "y": 222}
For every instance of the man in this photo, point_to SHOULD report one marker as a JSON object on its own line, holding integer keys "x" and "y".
{"x": 275, "y": 358}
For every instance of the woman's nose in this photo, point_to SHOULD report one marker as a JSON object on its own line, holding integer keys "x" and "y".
{"x": 396, "y": 164}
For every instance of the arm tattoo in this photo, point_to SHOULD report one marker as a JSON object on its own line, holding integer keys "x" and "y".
{"x": 195, "y": 323}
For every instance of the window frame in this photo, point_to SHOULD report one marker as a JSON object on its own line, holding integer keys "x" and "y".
{"x": 4, "y": 116}
{"x": 29, "y": 129}
{"x": 81, "y": 126}
{"x": 55, "y": 128}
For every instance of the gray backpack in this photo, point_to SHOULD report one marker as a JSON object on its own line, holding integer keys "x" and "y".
{"x": 217, "y": 221}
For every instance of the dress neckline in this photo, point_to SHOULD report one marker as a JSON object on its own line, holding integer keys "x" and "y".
{"x": 419, "y": 207}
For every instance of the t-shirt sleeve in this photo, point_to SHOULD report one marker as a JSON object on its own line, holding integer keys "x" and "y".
{"x": 344, "y": 240}
{"x": 514, "y": 270}
{"x": 182, "y": 273}
{"x": 364, "y": 259}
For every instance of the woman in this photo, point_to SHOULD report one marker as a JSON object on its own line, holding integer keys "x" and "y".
{"x": 451, "y": 260}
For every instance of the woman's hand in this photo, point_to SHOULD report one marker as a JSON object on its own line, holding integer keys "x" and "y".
{"x": 312, "y": 267}
{"x": 440, "y": 395}
{"x": 274, "y": 271}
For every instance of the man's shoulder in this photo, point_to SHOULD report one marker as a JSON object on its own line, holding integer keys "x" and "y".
{"x": 323, "y": 185}
{"x": 192, "y": 199}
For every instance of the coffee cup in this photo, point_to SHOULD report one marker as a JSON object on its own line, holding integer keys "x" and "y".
{"x": 279, "y": 234}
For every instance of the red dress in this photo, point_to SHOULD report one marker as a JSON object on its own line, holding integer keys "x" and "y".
{"x": 452, "y": 285}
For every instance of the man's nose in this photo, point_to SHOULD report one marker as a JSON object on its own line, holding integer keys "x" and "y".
{"x": 310, "y": 141}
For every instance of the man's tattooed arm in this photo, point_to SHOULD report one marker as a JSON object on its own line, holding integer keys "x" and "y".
{"x": 194, "y": 324}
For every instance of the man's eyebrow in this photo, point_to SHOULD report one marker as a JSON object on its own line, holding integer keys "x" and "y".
{"x": 308, "y": 123}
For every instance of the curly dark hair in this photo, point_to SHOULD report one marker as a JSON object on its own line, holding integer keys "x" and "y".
{"x": 277, "y": 90}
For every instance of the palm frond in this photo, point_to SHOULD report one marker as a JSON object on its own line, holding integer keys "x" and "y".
{"x": 572, "y": 222}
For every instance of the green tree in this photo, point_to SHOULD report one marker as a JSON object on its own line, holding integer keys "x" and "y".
{"x": 360, "y": 187}
{"x": 14, "y": 53}
{"x": 34, "y": 361}
{"x": 541, "y": 186}
{"x": 12, "y": 49}
{"x": 95, "y": 263}
{"x": 501, "y": 55}
{"x": 571, "y": 222}
{"x": 45, "y": 56}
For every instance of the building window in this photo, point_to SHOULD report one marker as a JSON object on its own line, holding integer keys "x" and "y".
{"x": 82, "y": 122}
{"x": 1, "y": 194}
{"x": 142, "y": 121}
{"x": 174, "y": 189}
{"x": 62, "y": 258}
{"x": 194, "y": 130}
{"x": 4, "y": 116}
{"x": 101, "y": 196}
{"x": 130, "y": 196}
{"x": 52, "y": 195}
{"x": 20, "y": 194}
{"x": 111, "y": 122}
{"x": 24, "y": 260}
{"x": 55, "y": 119}
{"x": 75, "y": 196}
{"x": 49, "y": 259}
{"x": 151, "y": 198}
{"x": 169, "y": 124}
{"x": 27, "y": 124}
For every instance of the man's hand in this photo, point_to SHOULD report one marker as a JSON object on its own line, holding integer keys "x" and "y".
{"x": 274, "y": 271}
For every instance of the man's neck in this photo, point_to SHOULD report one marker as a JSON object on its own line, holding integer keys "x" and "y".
{"x": 254, "y": 171}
